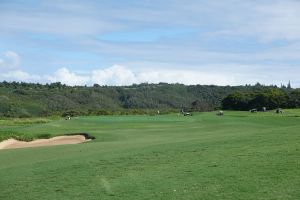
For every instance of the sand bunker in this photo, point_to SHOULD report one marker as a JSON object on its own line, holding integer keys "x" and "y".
{"x": 59, "y": 140}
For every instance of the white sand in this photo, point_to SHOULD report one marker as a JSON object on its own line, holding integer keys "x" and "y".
{"x": 59, "y": 140}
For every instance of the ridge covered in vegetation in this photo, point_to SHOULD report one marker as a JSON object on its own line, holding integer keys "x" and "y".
{"x": 37, "y": 100}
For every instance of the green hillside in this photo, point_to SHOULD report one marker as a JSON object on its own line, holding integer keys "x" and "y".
{"x": 33, "y": 100}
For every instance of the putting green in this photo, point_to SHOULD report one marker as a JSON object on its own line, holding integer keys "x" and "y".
{"x": 240, "y": 155}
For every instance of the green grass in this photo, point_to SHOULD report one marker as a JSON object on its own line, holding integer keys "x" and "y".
{"x": 241, "y": 155}
{"x": 10, "y": 129}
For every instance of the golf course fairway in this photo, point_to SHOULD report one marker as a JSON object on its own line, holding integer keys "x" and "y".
{"x": 240, "y": 155}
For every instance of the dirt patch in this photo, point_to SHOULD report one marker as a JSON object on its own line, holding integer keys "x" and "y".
{"x": 59, "y": 140}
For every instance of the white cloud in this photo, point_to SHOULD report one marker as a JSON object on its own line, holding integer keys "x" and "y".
{"x": 115, "y": 75}
{"x": 18, "y": 75}
{"x": 280, "y": 20}
{"x": 61, "y": 18}
{"x": 251, "y": 28}
{"x": 10, "y": 60}
{"x": 120, "y": 75}
{"x": 67, "y": 77}
{"x": 188, "y": 77}
{"x": 267, "y": 20}
{"x": 264, "y": 19}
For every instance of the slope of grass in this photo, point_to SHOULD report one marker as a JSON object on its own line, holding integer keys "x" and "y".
{"x": 237, "y": 156}
{"x": 9, "y": 129}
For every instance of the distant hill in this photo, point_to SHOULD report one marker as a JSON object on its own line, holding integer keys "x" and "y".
{"x": 29, "y": 99}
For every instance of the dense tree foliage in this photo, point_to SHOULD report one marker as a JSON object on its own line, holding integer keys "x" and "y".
{"x": 270, "y": 98}
{"x": 28, "y": 99}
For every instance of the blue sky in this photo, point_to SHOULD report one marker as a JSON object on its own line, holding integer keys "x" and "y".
{"x": 132, "y": 41}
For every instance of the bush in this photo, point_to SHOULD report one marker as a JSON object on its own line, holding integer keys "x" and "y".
{"x": 72, "y": 113}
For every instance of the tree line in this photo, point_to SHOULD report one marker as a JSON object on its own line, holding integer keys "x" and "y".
{"x": 268, "y": 98}
{"x": 33, "y": 99}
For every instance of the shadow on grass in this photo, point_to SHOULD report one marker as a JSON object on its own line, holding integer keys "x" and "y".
{"x": 86, "y": 135}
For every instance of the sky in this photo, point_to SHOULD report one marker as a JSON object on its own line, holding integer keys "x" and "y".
{"x": 233, "y": 42}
